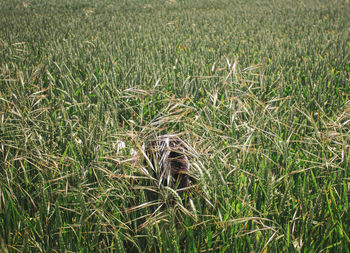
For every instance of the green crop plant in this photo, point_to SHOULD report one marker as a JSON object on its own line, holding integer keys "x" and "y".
{"x": 258, "y": 89}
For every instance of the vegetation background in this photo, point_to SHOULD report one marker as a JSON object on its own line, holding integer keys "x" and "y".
{"x": 259, "y": 89}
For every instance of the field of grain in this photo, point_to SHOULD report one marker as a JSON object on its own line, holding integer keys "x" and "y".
{"x": 260, "y": 91}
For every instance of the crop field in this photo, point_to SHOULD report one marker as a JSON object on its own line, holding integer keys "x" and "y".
{"x": 259, "y": 91}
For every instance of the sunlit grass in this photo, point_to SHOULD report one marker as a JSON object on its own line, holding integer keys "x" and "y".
{"x": 258, "y": 90}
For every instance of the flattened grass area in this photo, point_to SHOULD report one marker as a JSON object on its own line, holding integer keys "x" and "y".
{"x": 259, "y": 89}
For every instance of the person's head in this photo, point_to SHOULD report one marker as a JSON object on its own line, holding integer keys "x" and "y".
{"x": 169, "y": 157}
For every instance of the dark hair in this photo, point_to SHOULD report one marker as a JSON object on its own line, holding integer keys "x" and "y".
{"x": 169, "y": 158}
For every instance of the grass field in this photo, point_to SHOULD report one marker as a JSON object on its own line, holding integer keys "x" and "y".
{"x": 259, "y": 89}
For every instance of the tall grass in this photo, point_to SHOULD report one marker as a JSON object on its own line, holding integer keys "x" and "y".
{"x": 259, "y": 89}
